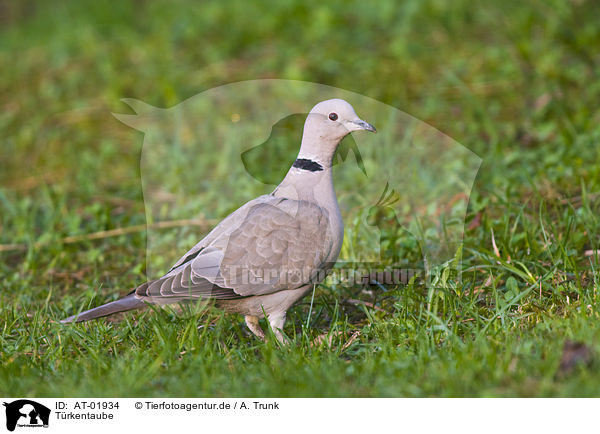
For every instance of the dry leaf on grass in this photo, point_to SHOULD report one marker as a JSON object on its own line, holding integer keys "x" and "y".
{"x": 574, "y": 354}
{"x": 328, "y": 337}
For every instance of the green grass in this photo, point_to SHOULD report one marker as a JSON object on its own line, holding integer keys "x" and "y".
{"x": 516, "y": 83}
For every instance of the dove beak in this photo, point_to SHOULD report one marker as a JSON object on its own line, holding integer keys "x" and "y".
{"x": 359, "y": 124}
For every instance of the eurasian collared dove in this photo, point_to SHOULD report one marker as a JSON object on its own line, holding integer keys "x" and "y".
{"x": 266, "y": 255}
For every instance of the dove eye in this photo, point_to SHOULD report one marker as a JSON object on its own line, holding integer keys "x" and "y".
{"x": 333, "y": 116}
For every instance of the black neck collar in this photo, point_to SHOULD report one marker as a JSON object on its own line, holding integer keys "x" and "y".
{"x": 305, "y": 164}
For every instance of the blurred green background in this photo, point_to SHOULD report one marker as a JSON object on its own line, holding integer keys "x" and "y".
{"x": 518, "y": 83}
{"x": 504, "y": 80}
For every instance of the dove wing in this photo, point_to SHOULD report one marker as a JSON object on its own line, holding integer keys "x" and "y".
{"x": 268, "y": 245}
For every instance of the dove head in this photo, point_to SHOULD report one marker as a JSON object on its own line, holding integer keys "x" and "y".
{"x": 326, "y": 125}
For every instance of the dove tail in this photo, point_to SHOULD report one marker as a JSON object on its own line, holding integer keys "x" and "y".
{"x": 129, "y": 302}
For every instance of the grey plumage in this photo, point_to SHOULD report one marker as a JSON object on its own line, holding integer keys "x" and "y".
{"x": 129, "y": 302}
{"x": 266, "y": 255}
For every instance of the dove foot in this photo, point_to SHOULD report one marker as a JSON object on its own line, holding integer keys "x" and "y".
{"x": 277, "y": 321}
{"x": 254, "y": 326}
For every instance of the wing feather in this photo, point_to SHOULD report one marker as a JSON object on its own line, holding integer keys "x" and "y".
{"x": 268, "y": 245}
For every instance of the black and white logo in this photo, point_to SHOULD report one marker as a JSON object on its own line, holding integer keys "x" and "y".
{"x": 26, "y": 413}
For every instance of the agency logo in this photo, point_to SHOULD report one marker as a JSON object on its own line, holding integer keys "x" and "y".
{"x": 25, "y": 413}
{"x": 403, "y": 192}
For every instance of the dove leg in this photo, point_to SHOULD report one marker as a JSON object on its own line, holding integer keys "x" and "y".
{"x": 277, "y": 320}
{"x": 254, "y": 326}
